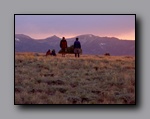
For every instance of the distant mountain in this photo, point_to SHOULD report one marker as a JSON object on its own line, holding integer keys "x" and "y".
{"x": 99, "y": 45}
{"x": 91, "y": 44}
{"x": 25, "y": 43}
{"x": 53, "y": 42}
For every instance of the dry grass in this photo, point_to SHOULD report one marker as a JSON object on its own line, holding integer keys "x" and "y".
{"x": 69, "y": 80}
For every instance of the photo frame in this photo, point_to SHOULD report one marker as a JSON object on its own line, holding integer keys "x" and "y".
{"x": 97, "y": 65}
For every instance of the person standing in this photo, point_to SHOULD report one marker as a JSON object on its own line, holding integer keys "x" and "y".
{"x": 77, "y": 48}
{"x": 63, "y": 45}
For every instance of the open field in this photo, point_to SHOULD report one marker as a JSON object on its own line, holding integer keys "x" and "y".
{"x": 90, "y": 79}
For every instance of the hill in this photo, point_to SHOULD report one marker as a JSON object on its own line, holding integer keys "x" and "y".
{"x": 90, "y": 44}
{"x": 90, "y": 79}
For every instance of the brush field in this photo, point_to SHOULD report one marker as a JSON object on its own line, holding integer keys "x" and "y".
{"x": 90, "y": 79}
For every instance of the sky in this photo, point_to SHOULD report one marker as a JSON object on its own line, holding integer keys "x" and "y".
{"x": 43, "y": 26}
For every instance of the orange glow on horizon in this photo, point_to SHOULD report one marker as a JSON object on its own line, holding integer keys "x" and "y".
{"x": 129, "y": 36}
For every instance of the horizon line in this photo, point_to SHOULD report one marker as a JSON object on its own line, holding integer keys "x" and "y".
{"x": 71, "y": 36}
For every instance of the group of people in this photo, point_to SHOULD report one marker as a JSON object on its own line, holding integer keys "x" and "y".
{"x": 77, "y": 47}
{"x": 49, "y": 52}
{"x": 63, "y": 46}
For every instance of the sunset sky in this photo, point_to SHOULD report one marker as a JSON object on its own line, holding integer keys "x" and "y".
{"x": 43, "y": 26}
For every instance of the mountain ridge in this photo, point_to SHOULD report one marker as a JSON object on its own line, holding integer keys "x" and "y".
{"x": 90, "y": 43}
